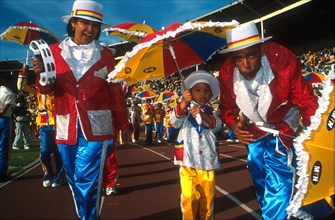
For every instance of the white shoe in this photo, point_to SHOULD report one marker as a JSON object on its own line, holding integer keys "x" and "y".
{"x": 159, "y": 141}
{"x": 55, "y": 185}
{"x": 15, "y": 148}
{"x": 110, "y": 191}
{"x": 46, "y": 183}
{"x": 229, "y": 140}
{"x": 26, "y": 147}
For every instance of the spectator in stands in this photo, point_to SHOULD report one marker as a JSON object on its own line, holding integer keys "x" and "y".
{"x": 262, "y": 83}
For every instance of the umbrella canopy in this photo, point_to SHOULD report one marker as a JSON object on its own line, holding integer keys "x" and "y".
{"x": 130, "y": 31}
{"x": 171, "y": 50}
{"x": 24, "y": 33}
{"x": 166, "y": 95}
{"x": 314, "y": 78}
{"x": 146, "y": 94}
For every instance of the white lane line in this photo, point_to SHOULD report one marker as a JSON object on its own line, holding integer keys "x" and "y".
{"x": 148, "y": 149}
{"x": 235, "y": 200}
{"x": 34, "y": 164}
{"x": 225, "y": 155}
{"x": 238, "y": 202}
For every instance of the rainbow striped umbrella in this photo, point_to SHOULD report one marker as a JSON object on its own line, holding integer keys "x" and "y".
{"x": 167, "y": 95}
{"x": 146, "y": 94}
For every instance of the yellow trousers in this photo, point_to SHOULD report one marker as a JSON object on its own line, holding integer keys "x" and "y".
{"x": 197, "y": 193}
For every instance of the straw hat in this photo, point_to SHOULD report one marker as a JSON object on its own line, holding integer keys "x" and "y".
{"x": 86, "y": 9}
{"x": 242, "y": 37}
{"x": 202, "y": 76}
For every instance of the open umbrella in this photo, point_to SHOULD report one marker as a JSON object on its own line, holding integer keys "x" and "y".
{"x": 166, "y": 95}
{"x": 130, "y": 31}
{"x": 314, "y": 78}
{"x": 24, "y": 32}
{"x": 146, "y": 94}
{"x": 171, "y": 50}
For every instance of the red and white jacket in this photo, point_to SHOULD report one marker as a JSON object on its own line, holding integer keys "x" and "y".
{"x": 92, "y": 103}
{"x": 285, "y": 95}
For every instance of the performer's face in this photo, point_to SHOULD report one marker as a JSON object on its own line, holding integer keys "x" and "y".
{"x": 248, "y": 61}
{"x": 85, "y": 30}
{"x": 201, "y": 93}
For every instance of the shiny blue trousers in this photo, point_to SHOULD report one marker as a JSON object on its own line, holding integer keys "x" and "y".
{"x": 273, "y": 176}
{"x": 48, "y": 147}
{"x": 84, "y": 163}
{"x": 159, "y": 131}
{"x": 4, "y": 146}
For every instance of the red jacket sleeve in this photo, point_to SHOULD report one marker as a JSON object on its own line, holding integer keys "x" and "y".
{"x": 119, "y": 109}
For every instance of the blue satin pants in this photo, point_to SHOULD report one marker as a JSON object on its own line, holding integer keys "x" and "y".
{"x": 84, "y": 163}
{"x": 4, "y": 146}
{"x": 48, "y": 147}
{"x": 272, "y": 175}
{"x": 159, "y": 130}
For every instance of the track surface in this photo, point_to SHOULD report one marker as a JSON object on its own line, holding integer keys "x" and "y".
{"x": 148, "y": 188}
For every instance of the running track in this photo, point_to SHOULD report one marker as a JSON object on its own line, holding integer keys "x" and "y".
{"x": 148, "y": 188}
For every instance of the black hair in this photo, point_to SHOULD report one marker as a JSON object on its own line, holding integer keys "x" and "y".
{"x": 70, "y": 30}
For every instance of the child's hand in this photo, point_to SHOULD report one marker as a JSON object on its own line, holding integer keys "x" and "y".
{"x": 187, "y": 96}
{"x": 186, "y": 100}
{"x": 195, "y": 110}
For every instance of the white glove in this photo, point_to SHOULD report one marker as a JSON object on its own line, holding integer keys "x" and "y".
{"x": 198, "y": 116}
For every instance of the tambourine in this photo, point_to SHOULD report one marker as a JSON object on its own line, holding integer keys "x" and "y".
{"x": 42, "y": 49}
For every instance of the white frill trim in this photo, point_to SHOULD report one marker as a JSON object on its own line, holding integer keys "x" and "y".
{"x": 26, "y": 27}
{"x": 139, "y": 34}
{"x": 186, "y": 26}
{"x": 302, "y": 155}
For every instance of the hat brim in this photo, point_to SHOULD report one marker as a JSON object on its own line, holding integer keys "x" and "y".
{"x": 67, "y": 18}
{"x": 232, "y": 49}
{"x": 197, "y": 76}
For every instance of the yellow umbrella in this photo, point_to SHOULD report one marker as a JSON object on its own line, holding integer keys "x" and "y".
{"x": 24, "y": 32}
{"x": 177, "y": 47}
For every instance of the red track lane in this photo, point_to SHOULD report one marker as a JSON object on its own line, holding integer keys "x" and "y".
{"x": 148, "y": 188}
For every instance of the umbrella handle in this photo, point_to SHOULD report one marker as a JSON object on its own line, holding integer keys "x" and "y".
{"x": 41, "y": 48}
{"x": 175, "y": 60}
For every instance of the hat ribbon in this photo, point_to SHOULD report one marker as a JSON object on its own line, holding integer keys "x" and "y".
{"x": 243, "y": 41}
{"x": 88, "y": 13}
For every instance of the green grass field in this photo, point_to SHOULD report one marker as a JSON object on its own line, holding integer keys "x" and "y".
{"x": 21, "y": 158}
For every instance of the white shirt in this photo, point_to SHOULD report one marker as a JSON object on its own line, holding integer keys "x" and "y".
{"x": 80, "y": 57}
{"x": 6, "y": 97}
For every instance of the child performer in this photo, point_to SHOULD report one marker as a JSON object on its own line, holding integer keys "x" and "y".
{"x": 195, "y": 149}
